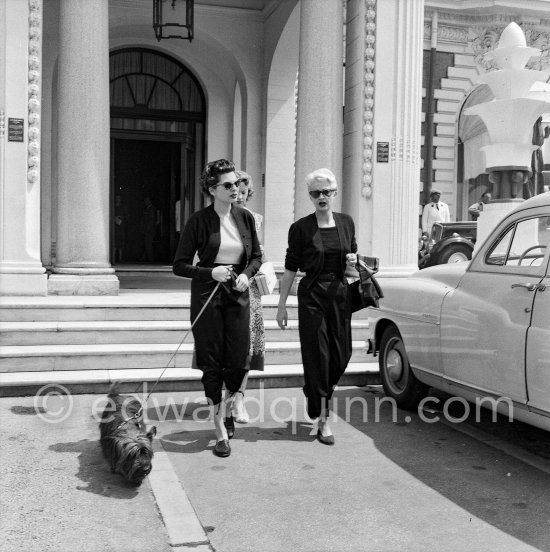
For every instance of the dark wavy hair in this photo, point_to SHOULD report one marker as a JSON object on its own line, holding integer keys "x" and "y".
{"x": 212, "y": 172}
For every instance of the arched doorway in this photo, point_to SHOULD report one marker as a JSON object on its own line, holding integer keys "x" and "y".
{"x": 157, "y": 150}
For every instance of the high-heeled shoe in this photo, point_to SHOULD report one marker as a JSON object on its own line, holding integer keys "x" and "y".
{"x": 325, "y": 439}
{"x": 229, "y": 424}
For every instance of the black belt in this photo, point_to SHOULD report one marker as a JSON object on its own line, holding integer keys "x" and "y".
{"x": 329, "y": 277}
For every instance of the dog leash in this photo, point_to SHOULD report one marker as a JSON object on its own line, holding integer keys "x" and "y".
{"x": 140, "y": 411}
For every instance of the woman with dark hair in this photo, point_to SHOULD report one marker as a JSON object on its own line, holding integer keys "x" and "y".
{"x": 225, "y": 239}
{"x": 321, "y": 244}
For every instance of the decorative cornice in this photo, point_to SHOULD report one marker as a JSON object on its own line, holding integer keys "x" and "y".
{"x": 446, "y": 33}
{"x": 368, "y": 98}
{"x": 455, "y": 19}
{"x": 34, "y": 64}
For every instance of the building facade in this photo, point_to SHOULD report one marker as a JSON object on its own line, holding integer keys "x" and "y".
{"x": 104, "y": 130}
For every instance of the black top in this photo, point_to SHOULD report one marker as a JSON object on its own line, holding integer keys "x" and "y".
{"x": 305, "y": 246}
{"x": 331, "y": 245}
{"x": 201, "y": 235}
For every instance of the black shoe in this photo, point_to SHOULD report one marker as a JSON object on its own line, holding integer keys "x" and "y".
{"x": 325, "y": 439}
{"x": 222, "y": 448}
{"x": 229, "y": 424}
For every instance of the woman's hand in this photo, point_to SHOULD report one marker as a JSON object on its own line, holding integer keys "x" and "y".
{"x": 241, "y": 283}
{"x": 282, "y": 317}
{"x": 351, "y": 259}
{"x": 222, "y": 273}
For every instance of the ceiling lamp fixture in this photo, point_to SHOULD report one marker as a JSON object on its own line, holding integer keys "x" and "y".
{"x": 182, "y": 30}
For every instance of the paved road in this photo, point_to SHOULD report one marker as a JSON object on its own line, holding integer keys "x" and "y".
{"x": 387, "y": 485}
{"x": 391, "y": 483}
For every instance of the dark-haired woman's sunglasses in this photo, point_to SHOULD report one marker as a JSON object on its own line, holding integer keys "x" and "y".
{"x": 315, "y": 194}
{"x": 228, "y": 185}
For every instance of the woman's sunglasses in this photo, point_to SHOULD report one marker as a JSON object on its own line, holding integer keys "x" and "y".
{"x": 316, "y": 194}
{"x": 228, "y": 185}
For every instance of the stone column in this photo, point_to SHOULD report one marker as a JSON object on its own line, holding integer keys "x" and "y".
{"x": 82, "y": 263}
{"x": 383, "y": 129}
{"x": 320, "y": 95}
{"x": 21, "y": 270}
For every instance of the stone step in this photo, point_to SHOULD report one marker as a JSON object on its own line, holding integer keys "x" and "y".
{"x": 144, "y": 380}
{"x": 129, "y": 331}
{"x": 131, "y": 356}
{"x": 126, "y": 306}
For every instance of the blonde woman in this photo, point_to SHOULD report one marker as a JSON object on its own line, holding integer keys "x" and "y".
{"x": 321, "y": 244}
{"x": 257, "y": 332}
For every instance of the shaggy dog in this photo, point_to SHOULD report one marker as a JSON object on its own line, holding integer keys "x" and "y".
{"x": 125, "y": 441}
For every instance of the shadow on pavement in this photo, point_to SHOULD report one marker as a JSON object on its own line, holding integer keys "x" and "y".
{"x": 188, "y": 442}
{"x": 500, "y": 490}
{"x": 94, "y": 471}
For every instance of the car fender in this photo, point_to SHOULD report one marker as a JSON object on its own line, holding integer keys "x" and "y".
{"x": 438, "y": 248}
{"x": 413, "y": 305}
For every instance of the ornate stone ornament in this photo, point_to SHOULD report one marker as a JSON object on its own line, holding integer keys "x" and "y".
{"x": 34, "y": 61}
{"x": 368, "y": 98}
{"x": 483, "y": 39}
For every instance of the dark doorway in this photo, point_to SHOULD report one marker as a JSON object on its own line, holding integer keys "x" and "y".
{"x": 145, "y": 169}
{"x": 157, "y": 150}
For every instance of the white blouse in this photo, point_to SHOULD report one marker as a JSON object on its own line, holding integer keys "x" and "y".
{"x": 231, "y": 247}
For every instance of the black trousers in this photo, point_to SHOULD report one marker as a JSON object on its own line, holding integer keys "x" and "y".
{"x": 221, "y": 337}
{"x": 324, "y": 317}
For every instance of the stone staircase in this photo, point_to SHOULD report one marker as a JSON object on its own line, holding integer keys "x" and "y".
{"x": 85, "y": 343}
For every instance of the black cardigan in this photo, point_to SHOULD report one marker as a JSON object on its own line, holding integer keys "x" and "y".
{"x": 202, "y": 235}
{"x": 305, "y": 246}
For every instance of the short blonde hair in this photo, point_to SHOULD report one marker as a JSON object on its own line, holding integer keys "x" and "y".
{"x": 320, "y": 175}
{"x": 247, "y": 180}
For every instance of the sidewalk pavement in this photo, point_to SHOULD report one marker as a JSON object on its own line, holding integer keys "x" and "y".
{"x": 57, "y": 493}
{"x": 391, "y": 482}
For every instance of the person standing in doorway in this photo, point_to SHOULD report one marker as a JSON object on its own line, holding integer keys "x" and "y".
{"x": 177, "y": 220}
{"x": 121, "y": 219}
{"x": 435, "y": 211}
{"x": 225, "y": 239}
{"x": 148, "y": 225}
{"x": 321, "y": 245}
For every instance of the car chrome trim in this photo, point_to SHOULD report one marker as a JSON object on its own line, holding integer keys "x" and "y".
{"x": 537, "y": 410}
{"x": 484, "y": 392}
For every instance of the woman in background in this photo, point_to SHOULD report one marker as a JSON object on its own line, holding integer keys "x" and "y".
{"x": 257, "y": 332}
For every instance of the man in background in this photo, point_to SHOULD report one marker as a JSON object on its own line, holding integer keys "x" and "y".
{"x": 435, "y": 211}
{"x": 476, "y": 208}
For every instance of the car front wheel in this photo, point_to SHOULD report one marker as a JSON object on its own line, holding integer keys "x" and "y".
{"x": 398, "y": 380}
{"x": 455, "y": 253}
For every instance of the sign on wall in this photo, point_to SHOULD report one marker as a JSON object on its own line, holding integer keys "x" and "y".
{"x": 16, "y": 131}
{"x": 382, "y": 152}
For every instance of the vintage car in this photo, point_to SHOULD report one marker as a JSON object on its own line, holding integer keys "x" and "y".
{"x": 448, "y": 242}
{"x": 479, "y": 329}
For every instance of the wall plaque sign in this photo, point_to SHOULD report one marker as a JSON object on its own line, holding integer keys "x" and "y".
{"x": 16, "y": 131}
{"x": 382, "y": 152}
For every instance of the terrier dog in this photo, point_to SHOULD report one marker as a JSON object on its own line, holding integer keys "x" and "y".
{"x": 125, "y": 441}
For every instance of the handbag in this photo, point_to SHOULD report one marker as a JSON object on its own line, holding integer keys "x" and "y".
{"x": 365, "y": 292}
{"x": 266, "y": 279}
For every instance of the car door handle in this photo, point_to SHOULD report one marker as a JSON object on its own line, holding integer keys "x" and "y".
{"x": 528, "y": 287}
